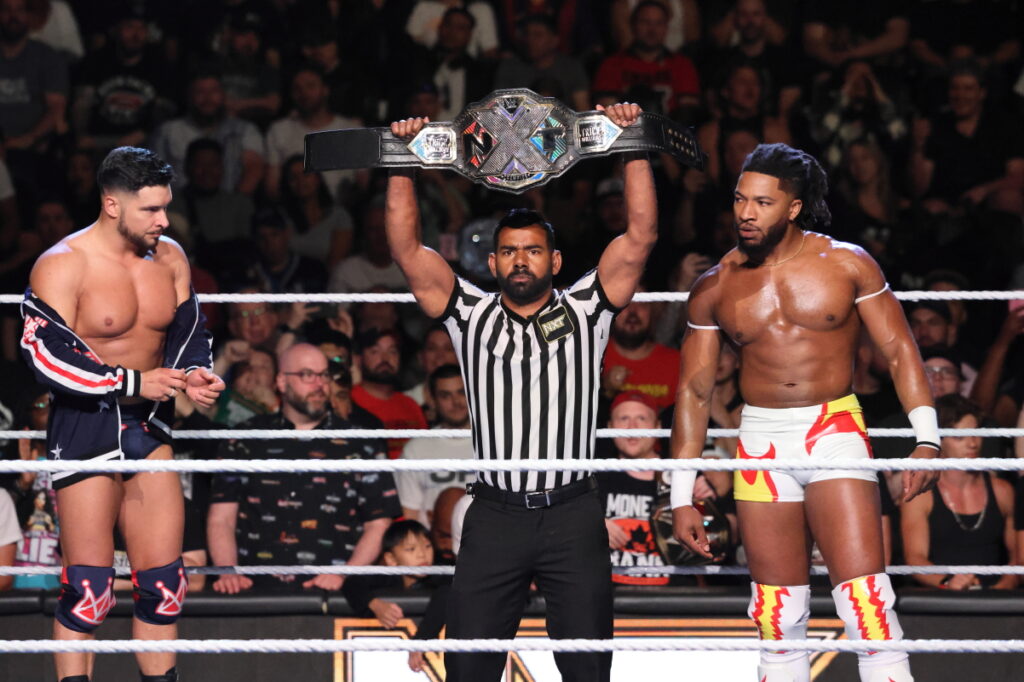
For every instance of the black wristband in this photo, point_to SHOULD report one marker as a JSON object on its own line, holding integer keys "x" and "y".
{"x": 928, "y": 444}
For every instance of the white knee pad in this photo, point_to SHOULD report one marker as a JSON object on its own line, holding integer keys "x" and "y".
{"x": 781, "y": 612}
{"x": 865, "y": 605}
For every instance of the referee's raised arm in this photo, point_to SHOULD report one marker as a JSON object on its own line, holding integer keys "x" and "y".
{"x": 430, "y": 278}
{"x": 622, "y": 263}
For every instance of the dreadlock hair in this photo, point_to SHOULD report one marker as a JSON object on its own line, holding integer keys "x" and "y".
{"x": 799, "y": 174}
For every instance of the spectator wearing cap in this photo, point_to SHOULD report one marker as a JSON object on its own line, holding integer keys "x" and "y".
{"x": 124, "y": 89}
{"x": 540, "y": 60}
{"x": 207, "y": 116}
{"x": 932, "y": 325}
{"x": 628, "y": 497}
{"x": 252, "y": 84}
{"x": 380, "y": 362}
{"x": 311, "y": 113}
{"x": 419, "y": 490}
{"x": 280, "y": 270}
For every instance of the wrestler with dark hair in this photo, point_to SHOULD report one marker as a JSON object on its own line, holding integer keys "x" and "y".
{"x": 113, "y": 328}
{"x": 792, "y": 303}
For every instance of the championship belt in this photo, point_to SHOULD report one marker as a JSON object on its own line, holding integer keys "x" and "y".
{"x": 673, "y": 552}
{"x": 512, "y": 140}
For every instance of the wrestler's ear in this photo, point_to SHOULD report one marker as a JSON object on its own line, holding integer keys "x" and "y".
{"x": 795, "y": 207}
{"x": 556, "y": 261}
{"x": 111, "y": 206}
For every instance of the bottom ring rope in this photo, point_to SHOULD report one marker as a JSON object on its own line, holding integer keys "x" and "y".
{"x": 314, "y": 646}
{"x": 450, "y": 570}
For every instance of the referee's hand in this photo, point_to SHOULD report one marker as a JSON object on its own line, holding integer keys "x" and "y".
{"x": 688, "y": 528}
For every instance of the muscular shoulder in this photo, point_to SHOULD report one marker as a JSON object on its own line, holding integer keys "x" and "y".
{"x": 849, "y": 258}
{"x": 704, "y": 295}
{"x": 62, "y": 267}
{"x": 168, "y": 252}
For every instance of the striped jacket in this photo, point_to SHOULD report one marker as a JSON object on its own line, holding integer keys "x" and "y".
{"x": 85, "y": 420}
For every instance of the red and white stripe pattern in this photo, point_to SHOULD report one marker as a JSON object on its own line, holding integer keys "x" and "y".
{"x": 74, "y": 378}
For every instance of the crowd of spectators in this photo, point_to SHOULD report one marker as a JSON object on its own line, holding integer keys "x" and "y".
{"x": 916, "y": 109}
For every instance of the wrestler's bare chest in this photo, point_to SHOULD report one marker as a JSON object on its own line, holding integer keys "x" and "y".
{"x": 783, "y": 304}
{"x": 128, "y": 301}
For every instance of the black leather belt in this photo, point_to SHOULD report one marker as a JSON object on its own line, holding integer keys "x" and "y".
{"x": 511, "y": 141}
{"x": 535, "y": 500}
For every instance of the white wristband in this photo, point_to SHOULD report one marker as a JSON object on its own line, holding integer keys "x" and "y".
{"x": 682, "y": 488}
{"x": 926, "y": 426}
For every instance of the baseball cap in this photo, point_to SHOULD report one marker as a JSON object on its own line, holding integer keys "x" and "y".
{"x": 636, "y": 397}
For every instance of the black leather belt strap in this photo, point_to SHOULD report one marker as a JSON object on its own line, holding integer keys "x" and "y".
{"x": 512, "y": 140}
{"x": 535, "y": 500}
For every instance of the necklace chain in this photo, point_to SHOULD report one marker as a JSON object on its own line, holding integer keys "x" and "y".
{"x": 789, "y": 258}
{"x": 960, "y": 518}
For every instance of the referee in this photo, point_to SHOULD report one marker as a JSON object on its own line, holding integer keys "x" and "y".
{"x": 531, "y": 361}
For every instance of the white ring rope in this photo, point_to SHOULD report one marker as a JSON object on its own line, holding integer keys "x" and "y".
{"x": 450, "y": 570}
{"x": 314, "y": 434}
{"x": 265, "y": 646}
{"x": 366, "y": 465}
{"x": 642, "y": 297}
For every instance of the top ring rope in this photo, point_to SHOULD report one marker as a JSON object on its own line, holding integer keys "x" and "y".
{"x": 641, "y": 297}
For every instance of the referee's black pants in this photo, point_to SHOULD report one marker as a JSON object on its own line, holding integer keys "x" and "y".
{"x": 564, "y": 549}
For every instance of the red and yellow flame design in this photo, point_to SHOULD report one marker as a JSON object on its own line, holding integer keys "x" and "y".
{"x": 868, "y": 606}
{"x": 755, "y": 486}
{"x": 838, "y": 416}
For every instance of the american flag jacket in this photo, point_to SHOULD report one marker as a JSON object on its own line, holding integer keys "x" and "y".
{"x": 85, "y": 419}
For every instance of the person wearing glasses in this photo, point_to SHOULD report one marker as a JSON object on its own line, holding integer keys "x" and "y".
{"x": 291, "y": 519}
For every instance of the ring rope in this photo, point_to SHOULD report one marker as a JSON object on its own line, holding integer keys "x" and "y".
{"x": 640, "y": 297}
{"x": 221, "y": 646}
{"x": 316, "y": 434}
{"x": 450, "y": 570}
{"x": 471, "y": 465}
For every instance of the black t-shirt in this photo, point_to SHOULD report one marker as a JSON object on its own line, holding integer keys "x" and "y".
{"x": 303, "y": 518}
{"x": 965, "y": 162}
{"x": 126, "y": 96}
{"x": 628, "y": 501}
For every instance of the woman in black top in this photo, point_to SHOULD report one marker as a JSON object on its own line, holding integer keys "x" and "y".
{"x": 968, "y": 518}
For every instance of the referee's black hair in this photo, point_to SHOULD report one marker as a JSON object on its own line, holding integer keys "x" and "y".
{"x": 799, "y": 174}
{"x": 518, "y": 218}
{"x": 129, "y": 169}
{"x": 399, "y": 530}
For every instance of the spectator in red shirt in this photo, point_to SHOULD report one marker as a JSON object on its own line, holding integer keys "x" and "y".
{"x": 634, "y": 361}
{"x": 381, "y": 359}
{"x": 647, "y": 72}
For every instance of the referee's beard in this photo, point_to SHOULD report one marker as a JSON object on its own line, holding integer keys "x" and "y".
{"x": 525, "y": 291}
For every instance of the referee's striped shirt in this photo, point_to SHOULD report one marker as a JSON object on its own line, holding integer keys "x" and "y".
{"x": 532, "y": 383}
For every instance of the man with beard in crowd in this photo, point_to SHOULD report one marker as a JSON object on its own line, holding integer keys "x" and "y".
{"x": 530, "y": 356}
{"x": 634, "y": 361}
{"x": 380, "y": 362}
{"x": 299, "y": 519}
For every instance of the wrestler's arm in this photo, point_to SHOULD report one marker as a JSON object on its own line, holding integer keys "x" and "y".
{"x": 622, "y": 263}
{"x": 202, "y": 385}
{"x": 430, "y": 278}
{"x": 698, "y": 363}
{"x": 883, "y": 317}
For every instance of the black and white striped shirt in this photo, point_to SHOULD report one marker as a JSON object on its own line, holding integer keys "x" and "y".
{"x": 532, "y": 383}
